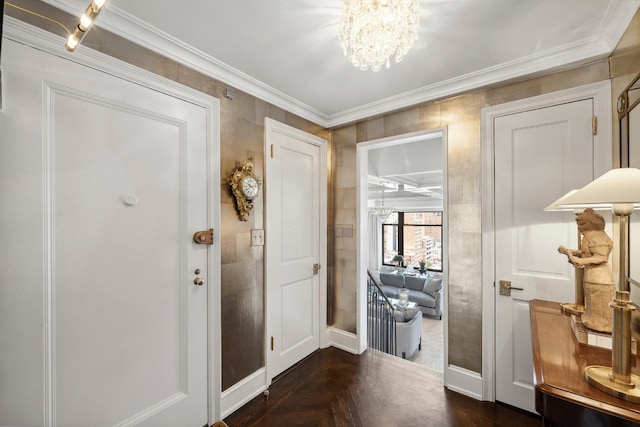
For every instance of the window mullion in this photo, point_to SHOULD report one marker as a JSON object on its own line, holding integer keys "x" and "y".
{"x": 401, "y": 233}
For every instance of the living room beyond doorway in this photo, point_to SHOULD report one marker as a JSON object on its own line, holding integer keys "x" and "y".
{"x": 405, "y": 183}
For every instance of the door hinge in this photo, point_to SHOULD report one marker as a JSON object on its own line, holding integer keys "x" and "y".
{"x": 272, "y": 151}
{"x": 271, "y": 343}
{"x": 594, "y": 125}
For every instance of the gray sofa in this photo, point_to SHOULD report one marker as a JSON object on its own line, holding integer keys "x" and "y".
{"x": 426, "y": 291}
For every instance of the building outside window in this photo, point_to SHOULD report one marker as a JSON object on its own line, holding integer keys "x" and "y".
{"x": 417, "y": 236}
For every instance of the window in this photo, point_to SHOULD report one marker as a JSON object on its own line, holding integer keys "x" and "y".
{"x": 415, "y": 235}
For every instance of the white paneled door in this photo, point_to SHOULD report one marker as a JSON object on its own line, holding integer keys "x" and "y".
{"x": 295, "y": 244}
{"x": 102, "y": 184}
{"x": 539, "y": 156}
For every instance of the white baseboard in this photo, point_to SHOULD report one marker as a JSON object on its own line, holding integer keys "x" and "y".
{"x": 343, "y": 340}
{"x": 459, "y": 379}
{"x": 255, "y": 384}
{"x": 241, "y": 393}
{"x": 464, "y": 382}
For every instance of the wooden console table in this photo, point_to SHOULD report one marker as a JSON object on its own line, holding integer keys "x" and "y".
{"x": 563, "y": 396}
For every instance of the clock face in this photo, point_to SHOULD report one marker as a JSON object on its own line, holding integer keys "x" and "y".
{"x": 250, "y": 187}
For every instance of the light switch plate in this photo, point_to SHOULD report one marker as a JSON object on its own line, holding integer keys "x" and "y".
{"x": 257, "y": 237}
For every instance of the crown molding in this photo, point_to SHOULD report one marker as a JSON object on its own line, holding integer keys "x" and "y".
{"x": 566, "y": 57}
{"x": 613, "y": 24}
{"x": 117, "y": 21}
{"x": 37, "y": 38}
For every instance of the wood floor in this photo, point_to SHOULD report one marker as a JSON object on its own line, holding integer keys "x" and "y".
{"x": 336, "y": 388}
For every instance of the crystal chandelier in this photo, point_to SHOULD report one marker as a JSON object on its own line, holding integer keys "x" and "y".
{"x": 382, "y": 212}
{"x": 371, "y": 31}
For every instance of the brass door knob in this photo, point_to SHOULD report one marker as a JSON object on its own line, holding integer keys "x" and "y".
{"x": 198, "y": 281}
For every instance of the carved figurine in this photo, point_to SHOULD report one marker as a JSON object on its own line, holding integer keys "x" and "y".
{"x": 593, "y": 256}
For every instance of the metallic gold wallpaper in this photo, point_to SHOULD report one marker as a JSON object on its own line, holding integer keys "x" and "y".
{"x": 461, "y": 115}
{"x": 242, "y": 137}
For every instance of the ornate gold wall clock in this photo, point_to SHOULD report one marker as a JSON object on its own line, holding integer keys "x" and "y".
{"x": 245, "y": 186}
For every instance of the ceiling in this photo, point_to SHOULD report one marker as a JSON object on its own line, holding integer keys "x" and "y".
{"x": 287, "y": 52}
{"x": 407, "y": 175}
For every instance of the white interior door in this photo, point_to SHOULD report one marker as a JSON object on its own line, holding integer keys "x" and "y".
{"x": 539, "y": 156}
{"x": 101, "y": 323}
{"x": 295, "y": 242}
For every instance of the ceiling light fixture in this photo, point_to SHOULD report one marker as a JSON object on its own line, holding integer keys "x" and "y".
{"x": 86, "y": 21}
{"x": 382, "y": 211}
{"x": 371, "y": 31}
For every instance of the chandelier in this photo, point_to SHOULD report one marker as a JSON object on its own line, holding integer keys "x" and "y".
{"x": 382, "y": 211}
{"x": 371, "y": 31}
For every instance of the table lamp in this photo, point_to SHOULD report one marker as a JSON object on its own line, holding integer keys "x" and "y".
{"x": 399, "y": 259}
{"x": 618, "y": 190}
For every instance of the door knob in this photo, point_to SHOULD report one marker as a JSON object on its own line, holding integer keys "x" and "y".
{"x": 198, "y": 281}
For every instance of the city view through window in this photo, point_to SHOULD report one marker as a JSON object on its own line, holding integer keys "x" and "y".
{"x": 417, "y": 236}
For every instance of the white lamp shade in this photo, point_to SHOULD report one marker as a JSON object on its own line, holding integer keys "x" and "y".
{"x": 618, "y": 186}
{"x": 557, "y": 205}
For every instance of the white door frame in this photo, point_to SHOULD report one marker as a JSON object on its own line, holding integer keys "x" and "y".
{"x": 362, "y": 213}
{"x": 601, "y": 94}
{"x": 32, "y": 36}
{"x": 270, "y": 126}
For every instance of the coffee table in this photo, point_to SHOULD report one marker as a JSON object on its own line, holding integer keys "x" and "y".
{"x": 396, "y": 303}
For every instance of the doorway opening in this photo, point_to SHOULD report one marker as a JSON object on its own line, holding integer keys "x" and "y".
{"x": 406, "y": 175}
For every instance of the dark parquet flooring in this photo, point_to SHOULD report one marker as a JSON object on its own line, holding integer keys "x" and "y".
{"x": 335, "y": 388}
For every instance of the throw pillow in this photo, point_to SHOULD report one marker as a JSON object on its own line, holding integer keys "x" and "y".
{"x": 391, "y": 279}
{"x": 432, "y": 286}
{"x": 415, "y": 283}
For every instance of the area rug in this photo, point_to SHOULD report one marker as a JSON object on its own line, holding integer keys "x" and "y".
{"x": 431, "y": 354}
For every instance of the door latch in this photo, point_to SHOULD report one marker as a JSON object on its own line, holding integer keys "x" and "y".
{"x": 506, "y": 288}
{"x": 204, "y": 237}
{"x": 316, "y": 268}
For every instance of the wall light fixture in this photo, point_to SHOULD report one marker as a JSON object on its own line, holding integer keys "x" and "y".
{"x": 86, "y": 21}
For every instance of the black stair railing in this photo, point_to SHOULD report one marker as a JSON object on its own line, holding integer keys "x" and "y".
{"x": 381, "y": 322}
